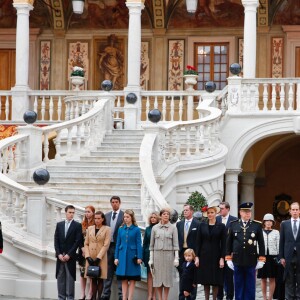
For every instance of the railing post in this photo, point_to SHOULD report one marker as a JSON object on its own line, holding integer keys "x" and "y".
{"x": 33, "y": 145}
{"x": 37, "y": 210}
{"x": 234, "y": 94}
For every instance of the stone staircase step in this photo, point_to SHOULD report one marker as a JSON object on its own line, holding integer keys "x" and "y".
{"x": 93, "y": 180}
{"x": 98, "y": 192}
{"x": 133, "y": 201}
{"x": 83, "y": 168}
{"x": 119, "y": 149}
{"x": 108, "y": 153}
{"x": 126, "y": 144}
{"x": 88, "y": 163}
{"x": 116, "y": 159}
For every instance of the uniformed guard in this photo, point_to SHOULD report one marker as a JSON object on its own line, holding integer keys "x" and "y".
{"x": 1, "y": 239}
{"x": 244, "y": 237}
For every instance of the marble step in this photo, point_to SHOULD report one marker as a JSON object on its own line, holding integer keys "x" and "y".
{"x": 54, "y": 178}
{"x": 138, "y": 133}
{"x": 114, "y": 159}
{"x": 81, "y": 168}
{"x": 122, "y": 138}
{"x": 119, "y": 149}
{"x": 98, "y": 192}
{"x": 110, "y": 153}
{"x": 94, "y": 162}
{"x": 98, "y": 185}
{"x": 125, "y": 144}
{"x": 82, "y": 198}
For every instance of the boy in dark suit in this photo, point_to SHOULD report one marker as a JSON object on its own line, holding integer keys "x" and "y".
{"x": 188, "y": 276}
{"x": 67, "y": 238}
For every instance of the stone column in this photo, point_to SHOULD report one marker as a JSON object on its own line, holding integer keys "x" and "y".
{"x": 231, "y": 189}
{"x": 132, "y": 112}
{"x": 20, "y": 99}
{"x": 247, "y": 188}
{"x": 249, "y": 63}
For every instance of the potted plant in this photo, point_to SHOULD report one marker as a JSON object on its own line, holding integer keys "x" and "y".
{"x": 199, "y": 203}
{"x": 190, "y": 76}
{"x": 77, "y": 77}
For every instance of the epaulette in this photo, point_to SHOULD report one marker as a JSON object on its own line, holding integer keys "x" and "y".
{"x": 255, "y": 221}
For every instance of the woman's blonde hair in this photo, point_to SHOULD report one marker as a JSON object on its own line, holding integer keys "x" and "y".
{"x": 130, "y": 212}
{"x": 156, "y": 215}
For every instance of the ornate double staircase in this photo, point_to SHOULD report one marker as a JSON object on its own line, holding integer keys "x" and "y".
{"x": 149, "y": 167}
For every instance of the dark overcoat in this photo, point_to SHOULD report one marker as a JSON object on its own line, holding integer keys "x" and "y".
{"x": 188, "y": 277}
{"x": 67, "y": 245}
{"x": 1, "y": 239}
{"x": 210, "y": 248}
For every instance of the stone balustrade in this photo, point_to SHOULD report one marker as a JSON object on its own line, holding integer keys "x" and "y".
{"x": 263, "y": 95}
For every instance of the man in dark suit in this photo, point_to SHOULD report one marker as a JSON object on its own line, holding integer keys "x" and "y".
{"x": 187, "y": 237}
{"x": 114, "y": 219}
{"x": 226, "y": 219}
{"x": 67, "y": 238}
{"x": 1, "y": 239}
{"x": 244, "y": 237}
{"x": 289, "y": 252}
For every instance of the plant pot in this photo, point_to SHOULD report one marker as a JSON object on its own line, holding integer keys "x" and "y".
{"x": 190, "y": 80}
{"x": 191, "y": 6}
{"x": 77, "y": 81}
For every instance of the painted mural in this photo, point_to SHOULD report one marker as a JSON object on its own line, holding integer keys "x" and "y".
{"x": 288, "y": 13}
{"x": 209, "y": 13}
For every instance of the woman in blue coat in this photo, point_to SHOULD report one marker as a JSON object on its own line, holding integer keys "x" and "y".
{"x": 128, "y": 254}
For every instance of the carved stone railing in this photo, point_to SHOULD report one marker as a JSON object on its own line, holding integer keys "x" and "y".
{"x": 59, "y": 105}
{"x": 263, "y": 95}
{"x": 177, "y": 142}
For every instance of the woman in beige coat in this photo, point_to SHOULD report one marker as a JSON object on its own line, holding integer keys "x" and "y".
{"x": 96, "y": 244}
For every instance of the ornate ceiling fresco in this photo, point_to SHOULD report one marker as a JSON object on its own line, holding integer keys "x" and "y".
{"x": 113, "y": 14}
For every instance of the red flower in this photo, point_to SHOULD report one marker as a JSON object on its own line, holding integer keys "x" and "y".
{"x": 204, "y": 208}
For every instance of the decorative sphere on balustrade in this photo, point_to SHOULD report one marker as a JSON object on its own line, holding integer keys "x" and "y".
{"x": 30, "y": 116}
{"x": 154, "y": 115}
{"x": 131, "y": 98}
{"x": 197, "y": 215}
{"x": 235, "y": 69}
{"x": 210, "y": 86}
{"x": 173, "y": 216}
{"x": 107, "y": 85}
{"x": 41, "y": 176}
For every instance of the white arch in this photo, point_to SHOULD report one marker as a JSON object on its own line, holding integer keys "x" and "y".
{"x": 246, "y": 139}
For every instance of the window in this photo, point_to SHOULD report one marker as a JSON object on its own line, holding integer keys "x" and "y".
{"x": 212, "y": 63}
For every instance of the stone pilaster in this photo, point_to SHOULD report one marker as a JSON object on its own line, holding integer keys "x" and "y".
{"x": 231, "y": 189}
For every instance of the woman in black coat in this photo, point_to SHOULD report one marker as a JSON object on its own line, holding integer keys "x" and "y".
{"x": 210, "y": 251}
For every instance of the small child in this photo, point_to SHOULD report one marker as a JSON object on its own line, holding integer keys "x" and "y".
{"x": 188, "y": 277}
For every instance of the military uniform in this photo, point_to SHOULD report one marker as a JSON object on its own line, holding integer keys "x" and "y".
{"x": 1, "y": 239}
{"x": 241, "y": 248}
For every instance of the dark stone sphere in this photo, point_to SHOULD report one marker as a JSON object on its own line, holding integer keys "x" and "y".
{"x": 41, "y": 176}
{"x": 197, "y": 215}
{"x": 30, "y": 116}
{"x": 131, "y": 98}
{"x": 154, "y": 115}
{"x": 210, "y": 86}
{"x": 173, "y": 216}
{"x": 235, "y": 69}
{"x": 107, "y": 85}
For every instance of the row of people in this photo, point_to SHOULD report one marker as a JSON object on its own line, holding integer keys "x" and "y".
{"x": 108, "y": 244}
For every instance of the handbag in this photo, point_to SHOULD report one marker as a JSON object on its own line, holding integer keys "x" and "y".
{"x": 93, "y": 271}
{"x": 144, "y": 271}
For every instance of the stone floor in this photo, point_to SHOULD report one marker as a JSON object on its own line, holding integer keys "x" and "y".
{"x": 200, "y": 295}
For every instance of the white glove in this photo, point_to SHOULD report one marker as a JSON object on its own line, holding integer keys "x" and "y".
{"x": 259, "y": 265}
{"x": 230, "y": 264}
{"x": 151, "y": 260}
{"x": 176, "y": 259}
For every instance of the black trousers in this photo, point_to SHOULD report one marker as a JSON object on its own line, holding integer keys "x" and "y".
{"x": 228, "y": 286}
{"x": 292, "y": 280}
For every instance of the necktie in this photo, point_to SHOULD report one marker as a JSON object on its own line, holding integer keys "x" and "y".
{"x": 67, "y": 223}
{"x": 295, "y": 229}
{"x": 114, "y": 215}
{"x": 187, "y": 226}
{"x": 224, "y": 220}
{"x": 245, "y": 224}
